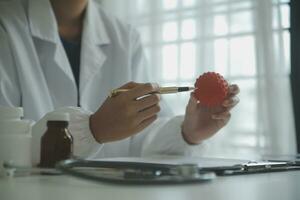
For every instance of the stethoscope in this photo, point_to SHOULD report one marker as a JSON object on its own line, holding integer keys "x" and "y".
{"x": 121, "y": 172}
{"x": 134, "y": 172}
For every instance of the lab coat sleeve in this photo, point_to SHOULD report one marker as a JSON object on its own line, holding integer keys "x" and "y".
{"x": 164, "y": 135}
{"x": 10, "y": 94}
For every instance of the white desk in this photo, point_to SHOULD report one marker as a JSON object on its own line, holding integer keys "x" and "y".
{"x": 281, "y": 186}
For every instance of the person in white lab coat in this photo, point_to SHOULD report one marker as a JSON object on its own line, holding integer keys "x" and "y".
{"x": 39, "y": 73}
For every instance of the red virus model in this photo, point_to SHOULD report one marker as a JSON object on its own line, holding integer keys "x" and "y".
{"x": 211, "y": 89}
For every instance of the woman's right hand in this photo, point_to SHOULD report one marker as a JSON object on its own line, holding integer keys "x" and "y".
{"x": 123, "y": 115}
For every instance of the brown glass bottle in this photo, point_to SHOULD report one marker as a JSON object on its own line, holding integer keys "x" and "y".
{"x": 56, "y": 144}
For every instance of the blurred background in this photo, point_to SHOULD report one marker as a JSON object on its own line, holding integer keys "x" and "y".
{"x": 247, "y": 41}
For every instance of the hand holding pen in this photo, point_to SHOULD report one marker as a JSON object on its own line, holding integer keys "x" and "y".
{"x": 124, "y": 116}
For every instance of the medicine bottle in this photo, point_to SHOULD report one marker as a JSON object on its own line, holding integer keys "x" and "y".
{"x": 57, "y": 142}
{"x": 15, "y": 137}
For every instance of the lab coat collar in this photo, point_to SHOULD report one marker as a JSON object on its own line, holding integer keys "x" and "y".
{"x": 43, "y": 23}
{"x": 94, "y": 28}
{"x": 94, "y": 39}
{"x": 42, "y": 20}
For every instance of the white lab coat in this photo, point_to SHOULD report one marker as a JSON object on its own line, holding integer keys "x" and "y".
{"x": 35, "y": 74}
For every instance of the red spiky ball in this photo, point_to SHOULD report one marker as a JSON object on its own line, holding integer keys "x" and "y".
{"x": 211, "y": 89}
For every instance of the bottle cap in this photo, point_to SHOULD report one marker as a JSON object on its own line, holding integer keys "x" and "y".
{"x": 58, "y": 116}
{"x": 10, "y": 113}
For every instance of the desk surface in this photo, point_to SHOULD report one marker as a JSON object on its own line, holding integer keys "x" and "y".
{"x": 280, "y": 185}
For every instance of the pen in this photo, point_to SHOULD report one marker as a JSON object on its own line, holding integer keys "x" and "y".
{"x": 162, "y": 90}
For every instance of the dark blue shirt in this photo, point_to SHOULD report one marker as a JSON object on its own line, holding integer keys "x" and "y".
{"x": 73, "y": 50}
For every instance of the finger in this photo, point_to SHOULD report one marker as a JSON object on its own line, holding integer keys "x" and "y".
{"x": 233, "y": 89}
{"x": 146, "y": 123}
{"x": 231, "y": 95}
{"x": 193, "y": 98}
{"x": 229, "y": 108}
{"x": 231, "y": 102}
{"x": 222, "y": 115}
{"x": 192, "y": 104}
{"x": 130, "y": 85}
{"x": 143, "y": 89}
{"x": 222, "y": 122}
{"x": 147, "y": 113}
{"x": 147, "y": 102}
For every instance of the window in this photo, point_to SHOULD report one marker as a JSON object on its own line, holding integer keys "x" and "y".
{"x": 184, "y": 38}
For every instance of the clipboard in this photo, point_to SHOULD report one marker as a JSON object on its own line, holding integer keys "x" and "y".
{"x": 254, "y": 167}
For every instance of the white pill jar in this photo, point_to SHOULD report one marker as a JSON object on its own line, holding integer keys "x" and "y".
{"x": 15, "y": 137}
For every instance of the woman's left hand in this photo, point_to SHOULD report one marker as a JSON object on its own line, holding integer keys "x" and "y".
{"x": 201, "y": 122}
